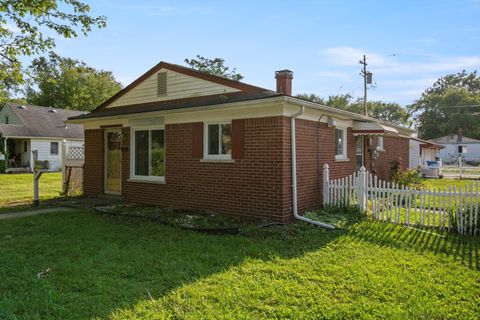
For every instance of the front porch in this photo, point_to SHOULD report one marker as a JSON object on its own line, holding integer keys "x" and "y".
{"x": 18, "y": 156}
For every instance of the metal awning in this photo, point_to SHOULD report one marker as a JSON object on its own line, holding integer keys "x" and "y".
{"x": 372, "y": 128}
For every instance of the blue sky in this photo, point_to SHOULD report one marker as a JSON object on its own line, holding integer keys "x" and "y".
{"x": 409, "y": 44}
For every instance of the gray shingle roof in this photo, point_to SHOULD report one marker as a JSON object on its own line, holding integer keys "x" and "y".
{"x": 42, "y": 122}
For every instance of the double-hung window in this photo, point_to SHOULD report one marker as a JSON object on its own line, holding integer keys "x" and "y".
{"x": 380, "y": 143}
{"x": 340, "y": 143}
{"x": 54, "y": 148}
{"x": 148, "y": 154}
{"x": 218, "y": 140}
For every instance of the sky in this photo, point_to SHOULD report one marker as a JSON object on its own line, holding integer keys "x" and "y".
{"x": 409, "y": 44}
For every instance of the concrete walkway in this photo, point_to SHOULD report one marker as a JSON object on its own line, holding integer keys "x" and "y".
{"x": 20, "y": 214}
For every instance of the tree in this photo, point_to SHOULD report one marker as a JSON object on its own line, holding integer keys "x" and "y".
{"x": 68, "y": 83}
{"x": 451, "y": 103}
{"x": 28, "y": 27}
{"x": 214, "y": 66}
{"x": 391, "y": 112}
{"x": 311, "y": 97}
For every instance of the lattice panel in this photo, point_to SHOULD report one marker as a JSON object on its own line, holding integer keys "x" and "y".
{"x": 75, "y": 153}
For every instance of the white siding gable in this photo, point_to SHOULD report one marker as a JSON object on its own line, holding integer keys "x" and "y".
{"x": 7, "y": 112}
{"x": 178, "y": 86}
{"x": 43, "y": 147}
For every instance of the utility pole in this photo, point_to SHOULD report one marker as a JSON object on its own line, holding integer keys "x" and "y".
{"x": 367, "y": 79}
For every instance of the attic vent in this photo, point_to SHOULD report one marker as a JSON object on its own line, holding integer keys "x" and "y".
{"x": 161, "y": 84}
{"x": 21, "y": 107}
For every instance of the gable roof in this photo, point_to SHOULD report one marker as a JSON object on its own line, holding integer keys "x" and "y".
{"x": 42, "y": 122}
{"x": 179, "y": 104}
{"x": 427, "y": 144}
{"x": 244, "y": 87}
{"x": 246, "y": 92}
{"x": 454, "y": 139}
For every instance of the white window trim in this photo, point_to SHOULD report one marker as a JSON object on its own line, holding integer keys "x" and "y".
{"x": 133, "y": 176}
{"x": 207, "y": 156}
{"x": 380, "y": 148}
{"x": 345, "y": 143}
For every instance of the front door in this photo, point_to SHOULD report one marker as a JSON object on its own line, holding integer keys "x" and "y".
{"x": 113, "y": 161}
{"x": 359, "y": 145}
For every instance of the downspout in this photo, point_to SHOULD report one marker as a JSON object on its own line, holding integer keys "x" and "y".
{"x": 294, "y": 174}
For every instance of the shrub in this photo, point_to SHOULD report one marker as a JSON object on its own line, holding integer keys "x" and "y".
{"x": 409, "y": 178}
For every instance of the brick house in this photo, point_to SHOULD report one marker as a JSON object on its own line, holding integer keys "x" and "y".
{"x": 176, "y": 137}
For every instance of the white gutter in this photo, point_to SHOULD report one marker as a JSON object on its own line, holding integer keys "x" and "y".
{"x": 240, "y": 104}
{"x": 294, "y": 174}
{"x": 349, "y": 115}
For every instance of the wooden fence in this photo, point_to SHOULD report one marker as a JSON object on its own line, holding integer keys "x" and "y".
{"x": 72, "y": 171}
{"x": 448, "y": 209}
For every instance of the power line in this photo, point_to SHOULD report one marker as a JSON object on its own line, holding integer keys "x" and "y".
{"x": 465, "y": 106}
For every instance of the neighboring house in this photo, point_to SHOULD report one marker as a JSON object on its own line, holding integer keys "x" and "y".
{"x": 422, "y": 151}
{"x": 177, "y": 137}
{"x": 456, "y": 145}
{"x": 423, "y": 156}
{"x": 26, "y": 128}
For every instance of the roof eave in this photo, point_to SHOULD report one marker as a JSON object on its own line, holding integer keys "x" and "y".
{"x": 348, "y": 114}
{"x": 80, "y": 120}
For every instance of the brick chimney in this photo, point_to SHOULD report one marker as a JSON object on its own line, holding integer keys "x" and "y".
{"x": 460, "y": 135}
{"x": 284, "y": 81}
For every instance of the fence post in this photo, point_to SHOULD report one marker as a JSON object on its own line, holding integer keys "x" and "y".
{"x": 64, "y": 167}
{"x": 326, "y": 179}
{"x": 362, "y": 190}
{"x": 460, "y": 166}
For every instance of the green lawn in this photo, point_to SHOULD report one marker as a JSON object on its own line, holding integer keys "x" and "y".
{"x": 126, "y": 268}
{"x": 440, "y": 184}
{"x": 17, "y": 189}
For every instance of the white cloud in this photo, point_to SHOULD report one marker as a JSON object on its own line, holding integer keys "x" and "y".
{"x": 400, "y": 78}
{"x": 348, "y": 56}
{"x": 387, "y": 64}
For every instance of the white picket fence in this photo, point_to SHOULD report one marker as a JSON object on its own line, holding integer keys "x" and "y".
{"x": 448, "y": 209}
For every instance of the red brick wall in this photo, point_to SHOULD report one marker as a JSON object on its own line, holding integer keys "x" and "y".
{"x": 93, "y": 172}
{"x": 251, "y": 186}
{"x": 258, "y": 184}
{"x": 395, "y": 148}
{"x": 315, "y": 147}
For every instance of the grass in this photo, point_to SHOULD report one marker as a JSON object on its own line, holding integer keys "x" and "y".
{"x": 435, "y": 216}
{"x": 126, "y": 268}
{"x": 441, "y": 184}
{"x": 17, "y": 189}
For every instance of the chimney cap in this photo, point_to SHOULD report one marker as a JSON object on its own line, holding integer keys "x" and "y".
{"x": 284, "y": 72}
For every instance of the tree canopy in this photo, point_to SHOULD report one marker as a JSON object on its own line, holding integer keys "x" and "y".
{"x": 67, "y": 83}
{"x": 29, "y": 27}
{"x": 214, "y": 66}
{"x": 451, "y": 103}
{"x": 391, "y": 112}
